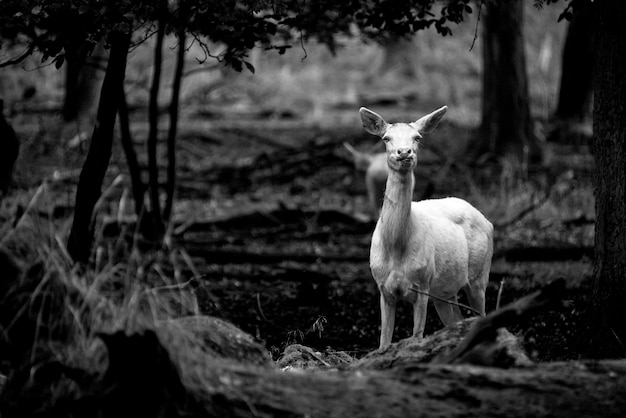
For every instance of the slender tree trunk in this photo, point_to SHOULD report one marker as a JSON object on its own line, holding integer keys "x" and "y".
{"x": 171, "y": 137}
{"x": 608, "y": 307}
{"x": 134, "y": 169}
{"x": 97, "y": 161}
{"x": 507, "y": 126}
{"x": 153, "y": 116}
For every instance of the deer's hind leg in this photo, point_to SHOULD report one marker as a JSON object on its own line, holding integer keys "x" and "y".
{"x": 419, "y": 314}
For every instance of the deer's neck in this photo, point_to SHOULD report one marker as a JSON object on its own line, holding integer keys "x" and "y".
{"x": 395, "y": 217}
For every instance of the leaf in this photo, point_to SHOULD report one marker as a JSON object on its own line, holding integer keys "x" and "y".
{"x": 249, "y": 66}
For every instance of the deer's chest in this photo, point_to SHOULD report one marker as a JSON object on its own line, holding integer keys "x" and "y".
{"x": 412, "y": 262}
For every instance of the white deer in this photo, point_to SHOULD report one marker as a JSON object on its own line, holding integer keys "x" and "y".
{"x": 439, "y": 246}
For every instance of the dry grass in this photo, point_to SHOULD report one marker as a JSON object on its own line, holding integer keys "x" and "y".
{"x": 123, "y": 290}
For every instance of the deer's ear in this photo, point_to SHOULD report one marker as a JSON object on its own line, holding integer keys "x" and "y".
{"x": 373, "y": 122}
{"x": 428, "y": 123}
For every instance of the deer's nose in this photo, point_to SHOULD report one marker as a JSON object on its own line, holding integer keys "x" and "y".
{"x": 404, "y": 152}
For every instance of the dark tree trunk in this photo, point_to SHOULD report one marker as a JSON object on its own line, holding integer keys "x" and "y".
{"x": 574, "y": 105}
{"x": 170, "y": 186}
{"x": 134, "y": 170}
{"x": 506, "y": 127}
{"x": 83, "y": 66}
{"x": 97, "y": 161}
{"x": 75, "y": 56}
{"x": 153, "y": 119}
{"x": 608, "y": 307}
{"x": 577, "y": 66}
{"x": 9, "y": 150}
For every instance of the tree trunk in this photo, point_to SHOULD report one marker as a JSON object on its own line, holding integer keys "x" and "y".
{"x": 608, "y": 309}
{"x": 577, "y": 66}
{"x": 170, "y": 186}
{"x": 9, "y": 150}
{"x": 97, "y": 161}
{"x": 83, "y": 77}
{"x": 507, "y": 126}
{"x": 574, "y": 105}
{"x": 134, "y": 170}
{"x": 75, "y": 56}
{"x": 153, "y": 118}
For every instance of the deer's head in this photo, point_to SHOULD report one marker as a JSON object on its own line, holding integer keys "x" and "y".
{"x": 401, "y": 139}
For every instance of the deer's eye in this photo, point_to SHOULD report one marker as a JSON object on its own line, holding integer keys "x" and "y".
{"x": 386, "y": 138}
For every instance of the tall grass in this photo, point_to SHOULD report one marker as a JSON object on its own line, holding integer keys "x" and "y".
{"x": 69, "y": 305}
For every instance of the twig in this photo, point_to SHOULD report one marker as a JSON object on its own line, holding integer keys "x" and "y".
{"x": 530, "y": 208}
{"x": 499, "y": 294}
{"x": 177, "y": 286}
{"x": 318, "y": 358}
{"x": 189, "y": 261}
{"x": 105, "y": 195}
{"x": 480, "y": 7}
{"x": 258, "y": 304}
{"x": 533, "y": 207}
{"x": 618, "y": 341}
{"x": 414, "y": 289}
{"x": 17, "y": 60}
{"x": 42, "y": 187}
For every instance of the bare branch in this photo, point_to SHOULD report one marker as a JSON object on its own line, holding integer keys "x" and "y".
{"x": 20, "y": 58}
{"x": 480, "y": 8}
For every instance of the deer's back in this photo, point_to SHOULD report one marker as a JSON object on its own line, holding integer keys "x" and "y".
{"x": 439, "y": 216}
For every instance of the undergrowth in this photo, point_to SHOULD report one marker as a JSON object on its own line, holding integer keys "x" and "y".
{"x": 56, "y": 312}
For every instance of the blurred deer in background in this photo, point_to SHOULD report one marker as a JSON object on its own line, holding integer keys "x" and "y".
{"x": 376, "y": 170}
{"x": 438, "y": 246}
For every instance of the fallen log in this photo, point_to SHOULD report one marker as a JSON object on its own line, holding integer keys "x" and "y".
{"x": 275, "y": 218}
{"x": 236, "y": 256}
{"x": 173, "y": 376}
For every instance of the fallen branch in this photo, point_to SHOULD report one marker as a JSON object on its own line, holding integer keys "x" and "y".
{"x": 413, "y": 288}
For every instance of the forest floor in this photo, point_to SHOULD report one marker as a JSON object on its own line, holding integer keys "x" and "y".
{"x": 274, "y": 217}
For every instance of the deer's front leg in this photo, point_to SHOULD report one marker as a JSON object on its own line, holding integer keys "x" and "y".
{"x": 419, "y": 314}
{"x": 387, "y": 320}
